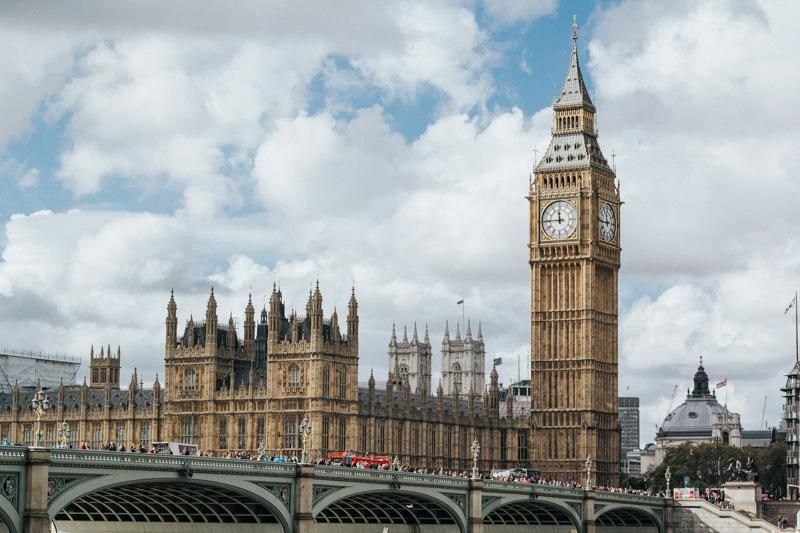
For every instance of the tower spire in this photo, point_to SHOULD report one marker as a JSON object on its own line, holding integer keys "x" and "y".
{"x": 574, "y": 91}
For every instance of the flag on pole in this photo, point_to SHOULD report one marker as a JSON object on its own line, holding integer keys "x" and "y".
{"x": 498, "y": 361}
{"x": 460, "y": 302}
{"x": 723, "y": 383}
{"x": 791, "y": 304}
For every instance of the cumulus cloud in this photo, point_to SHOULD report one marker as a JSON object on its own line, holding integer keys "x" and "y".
{"x": 508, "y": 11}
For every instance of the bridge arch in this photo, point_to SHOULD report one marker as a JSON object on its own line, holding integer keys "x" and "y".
{"x": 170, "y": 503}
{"x": 624, "y": 518}
{"x": 410, "y": 506}
{"x": 515, "y": 512}
{"x": 9, "y": 517}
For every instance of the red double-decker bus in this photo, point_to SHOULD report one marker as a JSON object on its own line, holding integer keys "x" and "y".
{"x": 367, "y": 461}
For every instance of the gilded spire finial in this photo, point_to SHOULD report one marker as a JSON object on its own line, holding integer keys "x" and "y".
{"x": 574, "y": 28}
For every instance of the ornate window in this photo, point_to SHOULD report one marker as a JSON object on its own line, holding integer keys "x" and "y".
{"x": 325, "y": 434}
{"x": 342, "y": 383}
{"x": 190, "y": 380}
{"x": 189, "y": 427}
{"x": 456, "y": 370}
{"x": 522, "y": 445}
{"x": 326, "y": 381}
{"x": 362, "y": 444}
{"x": 293, "y": 378}
{"x": 50, "y": 435}
{"x": 120, "y": 433}
{"x": 97, "y": 437}
{"x": 261, "y": 428}
{"x": 242, "y": 434}
{"x": 403, "y": 372}
{"x": 27, "y": 434}
{"x": 290, "y": 437}
{"x": 341, "y": 434}
{"x": 144, "y": 435}
{"x": 223, "y": 433}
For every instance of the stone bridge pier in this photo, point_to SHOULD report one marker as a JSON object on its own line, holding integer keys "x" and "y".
{"x": 91, "y": 492}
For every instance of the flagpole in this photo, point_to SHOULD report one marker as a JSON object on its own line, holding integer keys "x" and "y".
{"x": 796, "y": 343}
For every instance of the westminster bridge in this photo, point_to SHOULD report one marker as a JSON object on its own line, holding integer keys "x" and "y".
{"x": 93, "y": 491}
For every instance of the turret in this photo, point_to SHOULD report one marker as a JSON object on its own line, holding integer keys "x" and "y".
{"x": 315, "y": 314}
{"x": 190, "y": 331}
{"x": 104, "y": 368}
{"x": 274, "y": 317}
{"x": 414, "y": 337}
{"x": 335, "y": 333}
{"x": 250, "y": 327}
{"x": 171, "y": 324}
{"x": 211, "y": 324}
{"x": 352, "y": 319}
{"x": 393, "y": 340}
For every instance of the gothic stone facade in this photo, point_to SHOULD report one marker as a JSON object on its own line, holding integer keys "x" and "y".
{"x": 574, "y": 259}
{"x": 223, "y": 392}
{"x": 215, "y": 397}
{"x": 96, "y": 413}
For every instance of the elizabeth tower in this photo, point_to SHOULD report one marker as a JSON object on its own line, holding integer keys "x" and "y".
{"x": 574, "y": 257}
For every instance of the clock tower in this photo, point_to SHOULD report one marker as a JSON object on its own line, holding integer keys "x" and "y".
{"x": 574, "y": 258}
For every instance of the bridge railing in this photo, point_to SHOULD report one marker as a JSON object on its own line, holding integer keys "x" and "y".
{"x": 549, "y": 490}
{"x": 625, "y": 497}
{"x": 388, "y": 476}
{"x": 13, "y": 454}
{"x": 93, "y": 459}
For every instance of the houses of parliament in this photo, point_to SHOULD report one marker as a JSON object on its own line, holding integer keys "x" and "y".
{"x": 225, "y": 389}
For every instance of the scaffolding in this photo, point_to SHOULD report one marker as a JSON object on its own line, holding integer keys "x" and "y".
{"x": 27, "y": 368}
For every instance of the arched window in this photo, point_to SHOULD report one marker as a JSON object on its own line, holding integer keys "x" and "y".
{"x": 326, "y": 381}
{"x": 342, "y": 383}
{"x": 190, "y": 380}
{"x": 403, "y": 372}
{"x": 456, "y": 370}
{"x": 293, "y": 378}
{"x": 725, "y": 438}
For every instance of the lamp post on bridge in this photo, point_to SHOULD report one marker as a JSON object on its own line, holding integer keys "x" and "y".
{"x": 40, "y": 404}
{"x": 588, "y": 472}
{"x": 476, "y": 452}
{"x": 667, "y": 476}
{"x": 64, "y": 434}
{"x": 305, "y": 432}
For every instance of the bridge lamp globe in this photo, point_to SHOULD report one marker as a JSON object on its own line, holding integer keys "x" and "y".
{"x": 476, "y": 451}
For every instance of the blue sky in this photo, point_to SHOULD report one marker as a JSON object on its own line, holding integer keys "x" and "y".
{"x": 389, "y": 144}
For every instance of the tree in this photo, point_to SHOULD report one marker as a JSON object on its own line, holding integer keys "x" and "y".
{"x": 706, "y": 466}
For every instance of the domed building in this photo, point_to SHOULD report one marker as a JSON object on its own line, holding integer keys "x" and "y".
{"x": 702, "y": 419}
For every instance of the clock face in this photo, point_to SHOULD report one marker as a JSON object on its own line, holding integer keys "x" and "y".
{"x": 559, "y": 219}
{"x": 608, "y": 222}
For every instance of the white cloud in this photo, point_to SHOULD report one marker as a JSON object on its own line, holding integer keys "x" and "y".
{"x": 508, "y": 11}
{"x": 29, "y": 180}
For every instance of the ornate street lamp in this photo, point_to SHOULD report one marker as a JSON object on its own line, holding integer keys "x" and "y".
{"x": 305, "y": 432}
{"x": 667, "y": 476}
{"x": 588, "y": 472}
{"x": 476, "y": 452}
{"x": 64, "y": 435}
{"x": 40, "y": 404}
